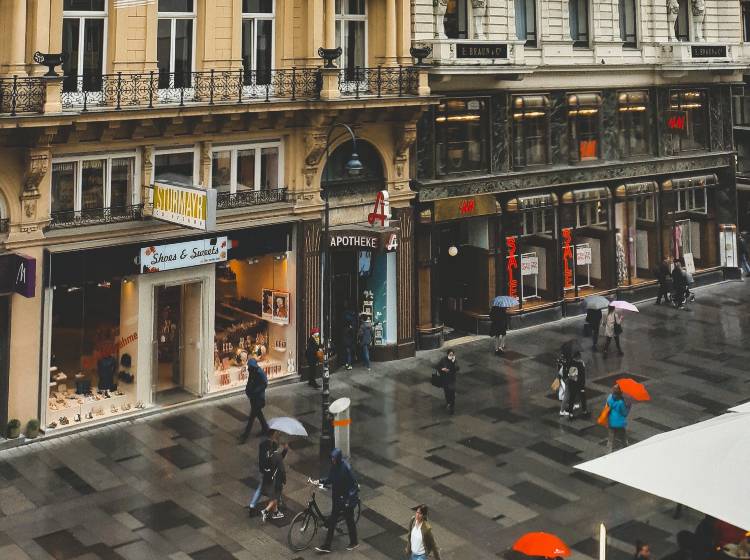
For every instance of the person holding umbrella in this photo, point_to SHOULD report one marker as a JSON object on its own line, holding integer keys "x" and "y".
{"x": 612, "y": 323}
{"x": 498, "y": 327}
{"x": 274, "y": 479}
{"x": 594, "y": 305}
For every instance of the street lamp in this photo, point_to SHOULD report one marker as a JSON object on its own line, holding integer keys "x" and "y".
{"x": 353, "y": 168}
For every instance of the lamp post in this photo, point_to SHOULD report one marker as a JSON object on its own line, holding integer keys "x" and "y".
{"x": 353, "y": 168}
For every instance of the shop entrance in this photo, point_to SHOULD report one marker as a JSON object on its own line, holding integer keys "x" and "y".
{"x": 349, "y": 281}
{"x": 176, "y": 360}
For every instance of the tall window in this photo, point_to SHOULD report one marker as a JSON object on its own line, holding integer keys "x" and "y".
{"x": 584, "y": 126}
{"x": 351, "y": 34}
{"x": 83, "y": 44}
{"x": 695, "y": 105}
{"x": 257, "y": 40}
{"x": 592, "y": 213}
{"x": 628, "y": 19}
{"x": 682, "y": 25}
{"x": 456, "y": 20}
{"x": 579, "y": 22}
{"x": 93, "y": 183}
{"x": 530, "y": 130}
{"x": 538, "y": 221}
{"x": 175, "y": 166}
{"x": 634, "y": 129}
{"x": 174, "y": 46}
{"x": 745, "y": 5}
{"x": 526, "y": 21}
{"x": 246, "y": 168}
{"x": 460, "y": 126}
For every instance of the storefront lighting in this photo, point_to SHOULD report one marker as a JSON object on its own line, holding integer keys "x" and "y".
{"x": 254, "y": 260}
{"x": 575, "y": 112}
{"x": 529, "y": 115}
{"x": 74, "y": 289}
{"x": 687, "y": 106}
{"x": 633, "y": 109}
{"x": 453, "y": 250}
{"x": 281, "y": 257}
{"x": 104, "y": 284}
{"x": 458, "y": 118}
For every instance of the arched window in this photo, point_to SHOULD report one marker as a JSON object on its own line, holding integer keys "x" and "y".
{"x": 336, "y": 178}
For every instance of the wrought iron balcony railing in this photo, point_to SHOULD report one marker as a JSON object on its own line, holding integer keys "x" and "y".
{"x": 380, "y": 81}
{"x": 21, "y": 95}
{"x": 242, "y": 199}
{"x": 96, "y": 216}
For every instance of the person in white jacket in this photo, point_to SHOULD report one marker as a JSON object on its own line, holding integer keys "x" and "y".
{"x": 612, "y": 323}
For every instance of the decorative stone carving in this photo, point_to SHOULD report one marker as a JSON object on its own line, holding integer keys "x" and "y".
{"x": 37, "y": 166}
{"x": 205, "y": 164}
{"x": 673, "y": 10}
{"x": 439, "y": 7}
{"x": 478, "y": 11}
{"x": 315, "y": 145}
{"x": 699, "y": 17}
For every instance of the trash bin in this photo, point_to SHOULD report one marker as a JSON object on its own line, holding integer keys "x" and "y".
{"x": 340, "y": 409}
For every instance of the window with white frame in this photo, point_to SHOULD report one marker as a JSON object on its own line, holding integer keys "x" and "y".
{"x": 526, "y": 21}
{"x": 691, "y": 200}
{"x": 257, "y": 40}
{"x": 93, "y": 183}
{"x": 175, "y": 43}
{"x": 251, "y": 167}
{"x": 178, "y": 166}
{"x": 83, "y": 44}
{"x": 628, "y": 23}
{"x": 592, "y": 213}
{"x": 538, "y": 221}
{"x": 351, "y": 35}
{"x": 645, "y": 208}
{"x": 579, "y": 22}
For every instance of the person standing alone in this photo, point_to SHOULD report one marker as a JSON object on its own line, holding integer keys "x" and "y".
{"x": 314, "y": 355}
{"x": 365, "y": 339}
{"x": 420, "y": 544}
{"x": 448, "y": 369}
{"x": 498, "y": 327}
{"x": 256, "y": 393}
{"x": 594, "y": 321}
{"x": 662, "y": 274}
{"x": 617, "y": 421}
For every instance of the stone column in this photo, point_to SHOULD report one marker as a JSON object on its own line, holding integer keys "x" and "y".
{"x": 308, "y": 286}
{"x": 330, "y": 26}
{"x": 15, "y": 57}
{"x": 390, "y": 33}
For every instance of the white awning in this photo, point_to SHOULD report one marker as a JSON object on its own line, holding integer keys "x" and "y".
{"x": 705, "y": 466}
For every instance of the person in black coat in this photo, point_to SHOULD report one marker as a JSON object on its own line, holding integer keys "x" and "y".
{"x": 312, "y": 354}
{"x": 577, "y": 385}
{"x": 594, "y": 321}
{"x": 256, "y": 393}
{"x": 348, "y": 338}
{"x": 498, "y": 327}
{"x": 448, "y": 369}
{"x": 679, "y": 285}
{"x": 662, "y": 275}
{"x": 344, "y": 497}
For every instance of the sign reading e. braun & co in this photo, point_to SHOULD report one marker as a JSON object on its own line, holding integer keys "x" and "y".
{"x": 481, "y": 50}
{"x": 708, "y": 51}
{"x": 193, "y": 207}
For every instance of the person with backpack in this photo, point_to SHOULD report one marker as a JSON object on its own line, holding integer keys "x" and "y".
{"x": 256, "y": 393}
{"x": 344, "y": 498}
{"x": 274, "y": 479}
{"x": 266, "y": 448}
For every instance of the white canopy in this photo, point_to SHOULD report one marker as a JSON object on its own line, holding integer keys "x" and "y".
{"x": 745, "y": 407}
{"x": 705, "y": 466}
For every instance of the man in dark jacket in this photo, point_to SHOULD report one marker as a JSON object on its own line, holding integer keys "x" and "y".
{"x": 594, "y": 321}
{"x": 679, "y": 285}
{"x": 347, "y": 338}
{"x": 577, "y": 385}
{"x": 256, "y": 393}
{"x": 662, "y": 275}
{"x": 448, "y": 369}
{"x": 345, "y": 497}
{"x": 498, "y": 327}
{"x": 313, "y": 354}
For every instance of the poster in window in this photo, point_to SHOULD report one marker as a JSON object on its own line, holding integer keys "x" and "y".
{"x": 281, "y": 307}
{"x": 267, "y": 299}
{"x": 529, "y": 264}
{"x": 583, "y": 255}
{"x": 689, "y": 263}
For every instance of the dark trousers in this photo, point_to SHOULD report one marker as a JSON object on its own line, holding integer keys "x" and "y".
{"x": 578, "y": 395}
{"x": 617, "y": 342}
{"x": 450, "y": 396}
{"x": 256, "y": 411}
{"x": 313, "y": 374}
{"x": 336, "y": 513}
{"x": 663, "y": 293}
{"x": 595, "y": 335}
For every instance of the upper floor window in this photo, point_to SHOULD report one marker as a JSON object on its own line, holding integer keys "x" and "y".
{"x": 83, "y": 44}
{"x": 351, "y": 34}
{"x": 593, "y": 213}
{"x": 634, "y": 128}
{"x": 579, "y": 22}
{"x": 628, "y": 19}
{"x": 692, "y": 200}
{"x": 460, "y": 126}
{"x": 456, "y": 20}
{"x": 682, "y": 24}
{"x": 526, "y": 21}
{"x": 530, "y": 130}
{"x": 251, "y": 167}
{"x": 177, "y": 165}
{"x": 174, "y": 45}
{"x": 584, "y": 126}
{"x": 538, "y": 221}
{"x": 93, "y": 183}
{"x": 695, "y": 106}
{"x": 257, "y": 40}
{"x": 745, "y": 5}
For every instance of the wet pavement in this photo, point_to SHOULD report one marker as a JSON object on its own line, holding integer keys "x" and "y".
{"x": 174, "y": 485}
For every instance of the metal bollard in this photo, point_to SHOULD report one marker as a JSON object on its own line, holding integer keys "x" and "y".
{"x": 340, "y": 409}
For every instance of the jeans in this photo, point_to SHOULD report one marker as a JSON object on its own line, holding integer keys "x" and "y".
{"x": 366, "y": 355}
{"x": 258, "y": 491}
{"x": 348, "y": 354}
{"x": 418, "y": 557}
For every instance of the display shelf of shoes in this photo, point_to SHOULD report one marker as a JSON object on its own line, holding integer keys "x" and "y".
{"x": 86, "y": 407}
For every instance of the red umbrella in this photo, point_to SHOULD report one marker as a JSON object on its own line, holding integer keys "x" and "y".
{"x": 633, "y": 389}
{"x": 541, "y": 544}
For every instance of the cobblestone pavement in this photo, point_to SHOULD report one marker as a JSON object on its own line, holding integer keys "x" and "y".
{"x": 174, "y": 485}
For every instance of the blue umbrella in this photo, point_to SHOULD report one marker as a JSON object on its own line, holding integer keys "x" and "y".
{"x": 504, "y": 301}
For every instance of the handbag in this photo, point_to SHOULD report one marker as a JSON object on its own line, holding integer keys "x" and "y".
{"x": 603, "y": 416}
{"x": 555, "y": 385}
{"x": 618, "y": 329}
{"x": 437, "y": 379}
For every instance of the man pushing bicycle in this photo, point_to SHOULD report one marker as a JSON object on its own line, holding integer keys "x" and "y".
{"x": 345, "y": 497}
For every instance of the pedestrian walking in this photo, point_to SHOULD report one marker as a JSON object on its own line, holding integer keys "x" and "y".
{"x": 594, "y": 321}
{"x": 255, "y": 389}
{"x": 365, "y": 337}
{"x": 577, "y": 386}
{"x": 265, "y": 449}
{"x": 617, "y": 421}
{"x": 347, "y": 338}
{"x": 642, "y": 551}
{"x": 274, "y": 479}
{"x": 612, "y": 323}
{"x": 563, "y": 388}
{"x": 314, "y": 356}
{"x": 420, "y": 543}
{"x": 662, "y": 274}
{"x": 679, "y": 285}
{"x": 498, "y": 327}
{"x": 448, "y": 368}
{"x": 344, "y": 498}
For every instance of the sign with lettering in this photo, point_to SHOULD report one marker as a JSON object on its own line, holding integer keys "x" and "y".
{"x": 511, "y": 265}
{"x": 708, "y": 51}
{"x": 187, "y": 206}
{"x": 689, "y": 263}
{"x": 158, "y": 258}
{"x": 677, "y": 121}
{"x": 363, "y": 240}
{"x": 583, "y": 255}
{"x": 567, "y": 257}
{"x": 465, "y": 207}
{"x": 25, "y": 283}
{"x": 481, "y": 50}
{"x": 529, "y": 264}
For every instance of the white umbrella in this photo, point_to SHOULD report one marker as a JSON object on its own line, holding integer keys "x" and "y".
{"x": 704, "y": 466}
{"x": 289, "y": 426}
{"x": 624, "y": 305}
{"x": 744, "y": 407}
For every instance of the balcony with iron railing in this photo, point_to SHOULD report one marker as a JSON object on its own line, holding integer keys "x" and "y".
{"x": 247, "y": 198}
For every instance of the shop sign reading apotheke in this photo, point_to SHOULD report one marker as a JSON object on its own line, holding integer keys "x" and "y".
{"x": 481, "y": 50}
{"x": 187, "y": 206}
{"x": 364, "y": 241}
{"x": 159, "y": 258}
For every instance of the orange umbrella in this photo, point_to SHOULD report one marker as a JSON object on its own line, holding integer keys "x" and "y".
{"x": 633, "y": 389}
{"x": 541, "y": 544}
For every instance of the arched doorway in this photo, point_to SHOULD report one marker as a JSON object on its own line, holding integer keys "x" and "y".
{"x": 338, "y": 182}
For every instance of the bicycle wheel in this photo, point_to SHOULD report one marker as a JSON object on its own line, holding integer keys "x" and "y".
{"x": 341, "y": 524}
{"x": 302, "y": 530}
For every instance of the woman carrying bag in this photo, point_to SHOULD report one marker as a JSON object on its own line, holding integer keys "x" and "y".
{"x": 612, "y": 329}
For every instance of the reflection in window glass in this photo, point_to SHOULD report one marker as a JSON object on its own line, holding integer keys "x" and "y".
{"x": 269, "y": 168}
{"x": 526, "y": 21}
{"x": 235, "y": 169}
{"x": 459, "y": 130}
{"x": 455, "y": 20}
{"x": 221, "y": 171}
{"x": 246, "y": 169}
{"x": 695, "y": 106}
{"x": 628, "y": 23}
{"x": 174, "y": 168}
{"x": 92, "y": 183}
{"x": 121, "y": 182}
{"x": 63, "y": 186}
{"x": 592, "y": 213}
{"x": 579, "y": 22}
{"x": 530, "y": 130}
{"x": 634, "y": 128}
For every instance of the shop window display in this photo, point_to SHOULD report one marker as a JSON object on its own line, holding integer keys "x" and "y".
{"x": 584, "y": 126}
{"x": 460, "y": 132}
{"x": 695, "y": 106}
{"x": 636, "y": 233}
{"x": 254, "y": 319}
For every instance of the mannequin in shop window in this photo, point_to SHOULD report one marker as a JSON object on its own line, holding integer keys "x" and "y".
{"x": 168, "y": 339}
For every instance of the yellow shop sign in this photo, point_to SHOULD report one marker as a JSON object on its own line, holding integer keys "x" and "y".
{"x": 193, "y": 207}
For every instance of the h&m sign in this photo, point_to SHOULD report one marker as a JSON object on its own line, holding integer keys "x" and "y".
{"x": 481, "y": 50}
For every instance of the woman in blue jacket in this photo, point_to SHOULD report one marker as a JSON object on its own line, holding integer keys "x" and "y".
{"x": 617, "y": 419}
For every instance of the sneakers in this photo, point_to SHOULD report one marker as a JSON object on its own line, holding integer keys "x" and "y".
{"x": 323, "y": 549}
{"x": 263, "y": 515}
{"x": 352, "y": 546}
{"x": 277, "y": 515}
{"x": 564, "y": 413}
{"x": 349, "y": 366}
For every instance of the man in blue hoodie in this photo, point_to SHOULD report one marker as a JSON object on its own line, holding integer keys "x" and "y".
{"x": 256, "y": 392}
{"x": 617, "y": 419}
{"x": 345, "y": 496}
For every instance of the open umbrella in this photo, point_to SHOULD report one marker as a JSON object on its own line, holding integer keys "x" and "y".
{"x": 504, "y": 301}
{"x": 624, "y": 305}
{"x": 595, "y": 302}
{"x": 541, "y": 544}
{"x": 289, "y": 426}
{"x": 633, "y": 389}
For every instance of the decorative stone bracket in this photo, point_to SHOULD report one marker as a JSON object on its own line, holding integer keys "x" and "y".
{"x": 37, "y": 167}
{"x": 405, "y": 136}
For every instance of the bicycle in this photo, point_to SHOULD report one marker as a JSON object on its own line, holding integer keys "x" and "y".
{"x": 305, "y": 524}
